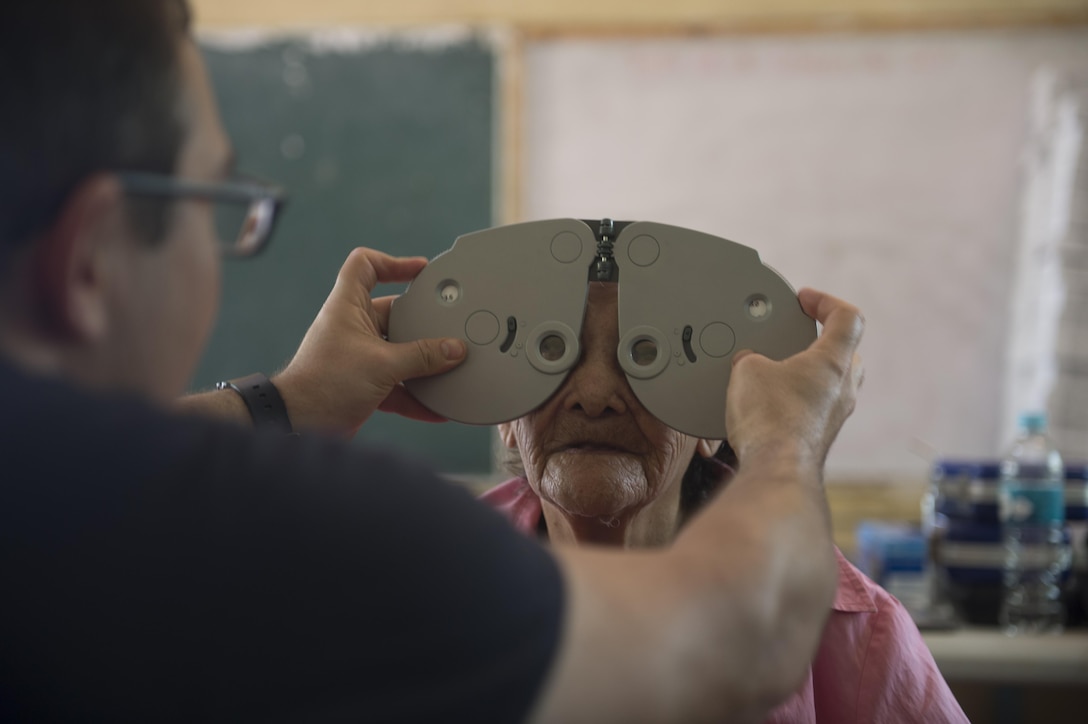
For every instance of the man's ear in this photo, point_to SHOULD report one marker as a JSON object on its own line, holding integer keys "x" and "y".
{"x": 506, "y": 434}
{"x": 74, "y": 260}
{"x": 707, "y": 448}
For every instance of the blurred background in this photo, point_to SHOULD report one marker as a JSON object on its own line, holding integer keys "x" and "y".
{"x": 924, "y": 159}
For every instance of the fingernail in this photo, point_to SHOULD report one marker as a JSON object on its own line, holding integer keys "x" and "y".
{"x": 453, "y": 349}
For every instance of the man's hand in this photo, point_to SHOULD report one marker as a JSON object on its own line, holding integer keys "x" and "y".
{"x": 345, "y": 368}
{"x": 801, "y": 401}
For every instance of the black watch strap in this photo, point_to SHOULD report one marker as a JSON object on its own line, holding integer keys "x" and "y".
{"x": 266, "y": 407}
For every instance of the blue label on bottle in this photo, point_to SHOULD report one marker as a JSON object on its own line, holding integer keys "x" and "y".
{"x": 1029, "y": 505}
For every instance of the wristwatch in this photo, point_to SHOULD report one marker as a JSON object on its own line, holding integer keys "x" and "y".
{"x": 263, "y": 400}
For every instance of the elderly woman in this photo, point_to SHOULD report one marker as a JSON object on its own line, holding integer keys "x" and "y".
{"x": 595, "y": 467}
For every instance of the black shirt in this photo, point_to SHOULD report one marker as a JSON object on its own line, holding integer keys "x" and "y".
{"x": 160, "y": 568}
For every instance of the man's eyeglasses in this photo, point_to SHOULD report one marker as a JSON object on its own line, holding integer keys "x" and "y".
{"x": 245, "y": 208}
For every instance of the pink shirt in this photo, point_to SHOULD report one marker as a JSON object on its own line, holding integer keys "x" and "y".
{"x": 872, "y": 665}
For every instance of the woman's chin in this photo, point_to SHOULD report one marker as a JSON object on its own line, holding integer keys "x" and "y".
{"x": 594, "y": 486}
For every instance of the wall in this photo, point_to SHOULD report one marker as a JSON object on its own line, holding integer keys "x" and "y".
{"x": 885, "y": 169}
{"x": 951, "y": 413}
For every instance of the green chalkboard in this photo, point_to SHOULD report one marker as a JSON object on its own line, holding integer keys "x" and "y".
{"x": 384, "y": 144}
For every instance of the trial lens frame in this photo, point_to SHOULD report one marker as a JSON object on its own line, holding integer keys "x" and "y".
{"x": 264, "y": 202}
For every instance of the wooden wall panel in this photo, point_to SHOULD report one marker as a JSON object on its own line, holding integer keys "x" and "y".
{"x": 642, "y": 16}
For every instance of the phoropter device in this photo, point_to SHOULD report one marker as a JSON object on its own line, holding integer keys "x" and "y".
{"x": 517, "y": 294}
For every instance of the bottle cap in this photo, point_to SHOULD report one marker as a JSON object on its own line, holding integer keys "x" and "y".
{"x": 1033, "y": 421}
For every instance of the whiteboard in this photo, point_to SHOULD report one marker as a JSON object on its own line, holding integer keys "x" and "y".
{"x": 884, "y": 169}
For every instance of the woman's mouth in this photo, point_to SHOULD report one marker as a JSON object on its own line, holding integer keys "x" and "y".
{"x": 598, "y": 448}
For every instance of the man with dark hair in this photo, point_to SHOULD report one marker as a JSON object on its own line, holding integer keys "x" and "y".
{"x": 90, "y": 106}
{"x": 160, "y": 566}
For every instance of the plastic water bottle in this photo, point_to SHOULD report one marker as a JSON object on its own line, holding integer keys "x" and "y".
{"x": 1031, "y": 507}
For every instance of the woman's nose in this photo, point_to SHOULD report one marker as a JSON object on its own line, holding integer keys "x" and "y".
{"x": 597, "y": 386}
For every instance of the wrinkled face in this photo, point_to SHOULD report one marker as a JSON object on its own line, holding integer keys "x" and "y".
{"x": 592, "y": 450}
{"x": 174, "y": 284}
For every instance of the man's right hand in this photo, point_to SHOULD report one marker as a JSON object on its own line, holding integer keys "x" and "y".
{"x": 801, "y": 401}
{"x": 345, "y": 369}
